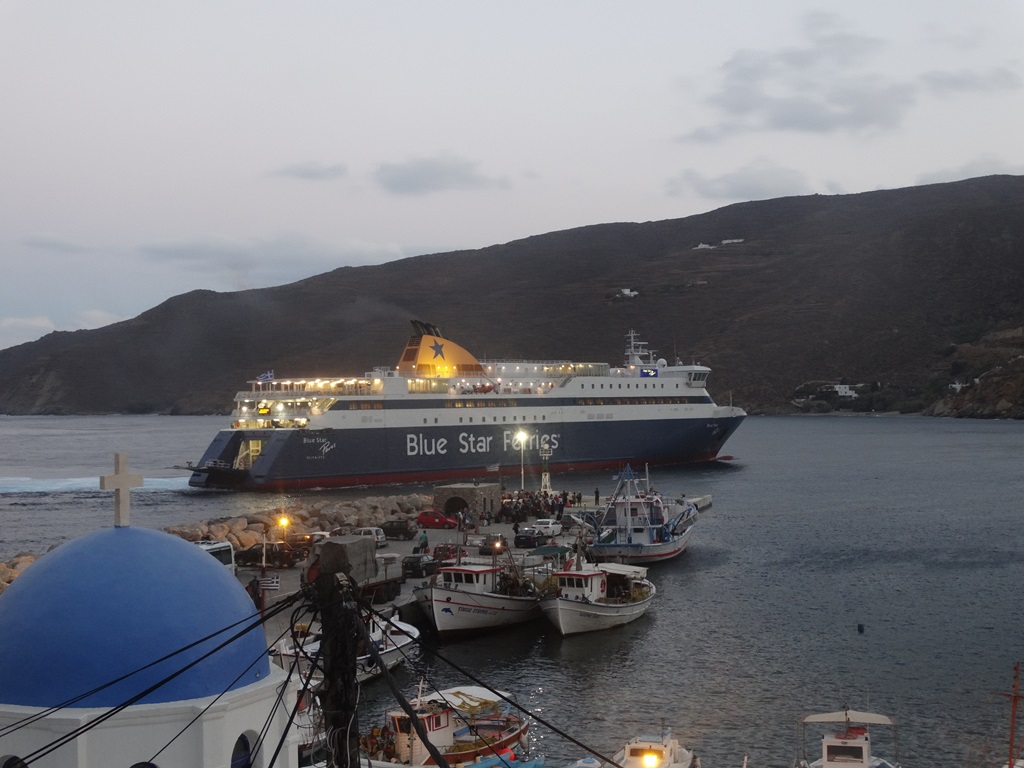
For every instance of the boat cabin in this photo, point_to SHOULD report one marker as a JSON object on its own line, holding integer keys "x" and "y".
{"x": 611, "y": 583}
{"x": 470, "y": 577}
{"x": 851, "y": 747}
{"x": 437, "y": 720}
{"x": 656, "y": 752}
{"x": 587, "y": 586}
{"x": 846, "y": 743}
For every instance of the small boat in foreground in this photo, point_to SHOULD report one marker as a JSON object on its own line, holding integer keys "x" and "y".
{"x": 638, "y": 526}
{"x": 463, "y": 723}
{"x": 648, "y": 751}
{"x": 393, "y": 640}
{"x": 594, "y": 596}
{"x": 850, "y": 746}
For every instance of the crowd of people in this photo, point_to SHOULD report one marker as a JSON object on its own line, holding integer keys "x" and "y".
{"x": 519, "y": 506}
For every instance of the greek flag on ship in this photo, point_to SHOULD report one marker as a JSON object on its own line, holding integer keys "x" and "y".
{"x": 266, "y": 376}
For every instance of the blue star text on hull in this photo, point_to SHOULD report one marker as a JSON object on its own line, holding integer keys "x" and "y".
{"x": 438, "y": 348}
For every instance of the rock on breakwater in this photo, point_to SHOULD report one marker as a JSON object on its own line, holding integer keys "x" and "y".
{"x": 304, "y": 515}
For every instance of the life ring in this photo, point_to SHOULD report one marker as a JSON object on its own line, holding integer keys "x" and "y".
{"x": 603, "y": 585}
{"x": 507, "y": 754}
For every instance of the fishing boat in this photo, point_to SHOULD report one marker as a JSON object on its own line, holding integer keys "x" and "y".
{"x": 441, "y": 413}
{"x": 462, "y": 723}
{"x": 588, "y": 597}
{"x": 849, "y": 745}
{"x": 469, "y": 598}
{"x": 649, "y": 751}
{"x": 393, "y": 640}
{"x": 639, "y": 526}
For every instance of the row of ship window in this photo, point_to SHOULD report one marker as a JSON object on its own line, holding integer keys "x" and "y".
{"x": 378, "y": 405}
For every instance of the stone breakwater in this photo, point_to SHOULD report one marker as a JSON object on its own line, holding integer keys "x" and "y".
{"x": 248, "y": 530}
{"x": 304, "y": 516}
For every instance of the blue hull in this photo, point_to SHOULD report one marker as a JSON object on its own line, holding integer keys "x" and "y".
{"x": 293, "y": 459}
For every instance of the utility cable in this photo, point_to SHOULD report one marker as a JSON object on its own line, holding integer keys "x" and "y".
{"x": 76, "y": 732}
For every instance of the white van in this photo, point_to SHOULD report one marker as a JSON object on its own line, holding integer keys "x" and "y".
{"x": 222, "y": 550}
{"x": 377, "y": 533}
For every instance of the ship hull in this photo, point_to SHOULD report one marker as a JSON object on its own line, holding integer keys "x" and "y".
{"x": 345, "y": 456}
{"x": 457, "y": 613}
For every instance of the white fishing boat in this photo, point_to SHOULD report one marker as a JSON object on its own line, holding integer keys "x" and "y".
{"x": 463, "y": 724}
{"x": 638, "y": 526}
{"x": 592, "y": 596}
{"x": 851, "y": 744}
{"x": 647, "y": 751}
{"x": 394, "y": 640}
{"x": 469, "y": 598}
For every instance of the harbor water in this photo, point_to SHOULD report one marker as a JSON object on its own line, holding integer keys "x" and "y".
{"x": 869, "y": 561}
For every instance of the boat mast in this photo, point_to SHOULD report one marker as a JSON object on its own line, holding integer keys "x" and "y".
{"x": 1014, "y": 698}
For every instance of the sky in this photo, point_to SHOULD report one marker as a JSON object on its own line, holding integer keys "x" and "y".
{"x": 148, "y": 149}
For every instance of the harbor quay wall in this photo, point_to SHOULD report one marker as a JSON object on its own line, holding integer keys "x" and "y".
{"x": 304, "y": 516}
{"x": 311, "y": 514}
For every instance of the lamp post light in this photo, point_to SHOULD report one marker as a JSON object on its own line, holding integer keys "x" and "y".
{"x": 521, "y": 437}
{"x": 283, "y": 523}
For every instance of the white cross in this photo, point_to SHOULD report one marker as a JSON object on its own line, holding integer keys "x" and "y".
{"x": 121, "y": 483}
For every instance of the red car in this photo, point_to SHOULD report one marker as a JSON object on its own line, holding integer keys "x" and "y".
{"x": 434, "y": 518}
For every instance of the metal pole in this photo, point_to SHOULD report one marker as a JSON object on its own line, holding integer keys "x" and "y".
{"x": 522, "y": 465}
{"x": 263, "y": 573}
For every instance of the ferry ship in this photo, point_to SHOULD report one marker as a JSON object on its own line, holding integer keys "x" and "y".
{"x": 442, "y": 414}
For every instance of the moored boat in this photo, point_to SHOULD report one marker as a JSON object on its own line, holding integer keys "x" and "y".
{"x": 392, "y": 639}
{"x": 649, "y": 751}
{"x": 851, "y": 744}
{"x": 588, "y": 597}
{"x": 639, "y": 526}
{"x": 441, "y": 413}
{"x": 462, "y": 723}
{"x": 470, "y": 598}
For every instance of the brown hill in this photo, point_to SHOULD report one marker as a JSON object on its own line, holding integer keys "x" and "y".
{"x": 874, "y": 287}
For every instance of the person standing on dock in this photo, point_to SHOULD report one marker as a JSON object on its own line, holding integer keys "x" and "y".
{"x": 597, "y": 497}
{"x": 423, "y": 542}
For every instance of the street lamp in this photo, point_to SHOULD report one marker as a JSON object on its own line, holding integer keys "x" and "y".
{"x": 521, "y": 437}
{"x": 282, "y": 523}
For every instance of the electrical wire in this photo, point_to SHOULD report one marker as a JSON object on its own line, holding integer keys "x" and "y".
{"x": 66, "y": 738}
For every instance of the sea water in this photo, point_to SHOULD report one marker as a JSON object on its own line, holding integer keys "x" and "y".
{"x": 873, "y": 562}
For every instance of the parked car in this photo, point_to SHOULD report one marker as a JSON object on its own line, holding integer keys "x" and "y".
{"x": 530, "y": 538}
{"x": 435, "y": 518}
{"x": 376, "y": 533}
{"x": 550, "y": 527}
{"x": 399, "y": 529}
{"x": 419, "y": 566}
{"x": 304, "y": 542}
{"x": 492, "y": 543}
{"x": 280, "y": 554}
{"x": 222, "y": 551}
{"x": 447, "y": 553}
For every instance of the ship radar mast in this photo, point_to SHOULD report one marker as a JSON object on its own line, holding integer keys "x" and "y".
{"x": 636, "y": 351}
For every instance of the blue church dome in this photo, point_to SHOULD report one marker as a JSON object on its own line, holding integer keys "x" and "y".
{"x": 116, "y": 602}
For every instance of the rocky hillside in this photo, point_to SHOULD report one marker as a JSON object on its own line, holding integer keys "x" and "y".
{"x": 900, "y": 288}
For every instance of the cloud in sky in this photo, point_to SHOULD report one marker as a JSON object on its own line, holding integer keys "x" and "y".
{"x": 312, "y": 171}
{"x": 832, "y": 80}
{"x": 286, "y": 143}
{"x": 425, "y": 175}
